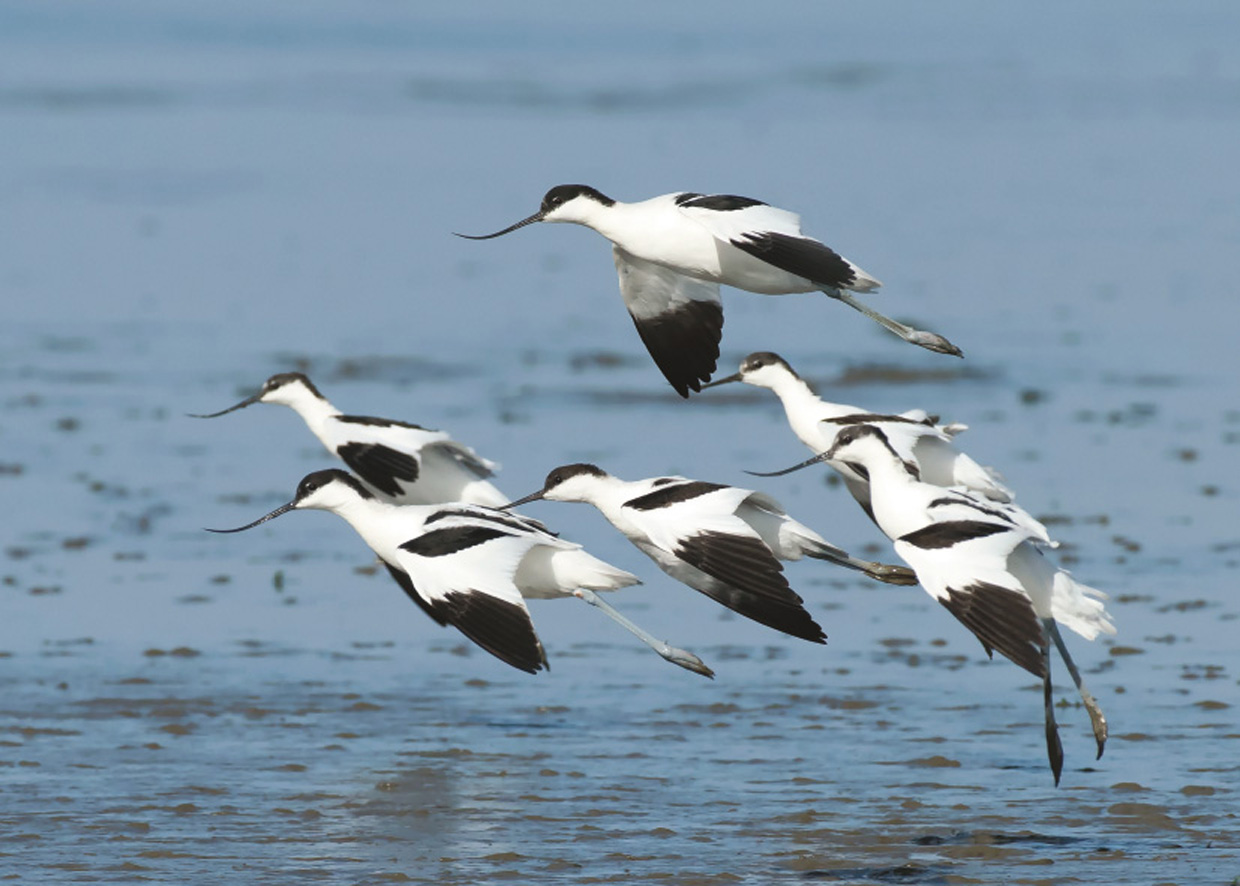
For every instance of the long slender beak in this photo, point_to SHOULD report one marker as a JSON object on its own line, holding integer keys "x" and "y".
{"x": 533, "y": 496}
{"x": 822, "y": 456}
{"x": 723, "y": 381}
{"x": 536, "y": 217}
{"x": 283, "y": 509}
{"x": 248, "y": 401}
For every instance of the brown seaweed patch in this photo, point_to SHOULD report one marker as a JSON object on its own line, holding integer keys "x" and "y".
{"x": 587, "y": 360}
{"x": 877, "y": 373}
{"x": 1143, "y": 816}
{"x": 935, "y": 761}
{"x": 905, "y": 873}
{"x": 1197, "y": 790}
{"x": 177, "y": 652}
{"x": 1184, "y": 606}
{"x": 1210, "y": 705}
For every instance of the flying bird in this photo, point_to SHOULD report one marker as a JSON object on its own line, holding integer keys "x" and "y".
{"x": 923, "y": 444}
{"x": 985, "y": 568}
{"x": 672, "y": 253}
{"x": 721, "y": 540}
{"x": 400, "y": 462}
{"x": 473, "y": 567}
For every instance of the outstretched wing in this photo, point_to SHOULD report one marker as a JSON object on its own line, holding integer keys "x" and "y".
{"x": 463, "y": 567}
{"x": 381, "y": 451}
{"x": 727, "y": 559}
{"x": 774, "y": 236}
{"x": 963, "y": 564}
{"x": 381, "y": 466}
{"x": 679, "y": 319}
{"x": 480, "y": 467}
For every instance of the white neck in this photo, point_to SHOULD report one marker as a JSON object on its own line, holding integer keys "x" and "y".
{"x": 603, "y": 219}
{"x": 314, "y": 411}
{"x": 805, "y": 410}
{"x": 370, "y": 518}
{"x": 603, "y": 492}
{"x": 889, "y": 496}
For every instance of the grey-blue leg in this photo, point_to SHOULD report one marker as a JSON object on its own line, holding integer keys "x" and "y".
{"x": 1096, "y": 719}
{"x": 676, "y": 656}
{"x": 931, "y": 341}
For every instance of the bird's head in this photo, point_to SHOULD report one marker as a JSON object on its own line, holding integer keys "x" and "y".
{"x": 563, "y": 203}
{"x": 576, "y": 482}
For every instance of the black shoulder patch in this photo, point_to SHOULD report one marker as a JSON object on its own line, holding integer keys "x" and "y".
{"x": 950, "y": 532}
{"x": 684, "y": 343}
{"x": 717, "y": 202}
{"x": 501, "y": 628}
{"x": 750, "y": 581}
{"x": 373, "y": 422}
{"x": 380, "y": 466}
{"x": 801, "y": 256}
{"x": 670, "y": 495}
{"x": 451, "y": 540}
{"x": 1002, "y": 619}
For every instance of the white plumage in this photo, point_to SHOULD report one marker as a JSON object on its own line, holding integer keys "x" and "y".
{"x": 400, "y": 462}
{"x": 472, "y": 566}
{"x": 672, "y": 252}
{"x": 721, "y": 540}
{"x": 984, "y": 566}
{"x": 916, "y": 436}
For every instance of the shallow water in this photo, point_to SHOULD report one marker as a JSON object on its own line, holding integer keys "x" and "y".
{"x": 193, "y": 200}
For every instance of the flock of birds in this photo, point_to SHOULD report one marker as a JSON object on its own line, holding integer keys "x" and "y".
{"x": 425, "y": 503}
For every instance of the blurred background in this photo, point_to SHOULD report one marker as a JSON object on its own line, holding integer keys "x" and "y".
{"x": 196, "y": 196}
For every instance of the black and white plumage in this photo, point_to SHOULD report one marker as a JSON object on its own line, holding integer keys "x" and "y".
{"x": 672, "y": 253}
{"x": 721, "y": 540}
{"x": 400, "y": 462}
{"x": 926, "y": 446}
{"x": 473, "y": 567}
{"x": 986, "y": 568}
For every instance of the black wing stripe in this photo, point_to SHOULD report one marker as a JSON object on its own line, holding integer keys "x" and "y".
{"x": 801, "y": 256}
{"x": 452, "y": 540}
{"x": 501, "y": 628}
{"x": 968, "y": 503}
{"x": 717, "y": 202}
{"x": 1003, "y": 619}
{"x": 684, "y": 343}
{"x": 380, "y": 466}
{"x": 949, "y": 533}
{"x": 373, "y": 422}
{"x": 670, "y": 495}
{"x": 749, "y": 580}
{"x": 483, "y": 514}
{"x": 866, "y": 418}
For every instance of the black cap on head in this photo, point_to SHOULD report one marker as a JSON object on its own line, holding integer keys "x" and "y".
{"x": 561, "y": 194}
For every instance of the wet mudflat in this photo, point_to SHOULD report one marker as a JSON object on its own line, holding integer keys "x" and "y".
{"x": 247, "y": 195}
